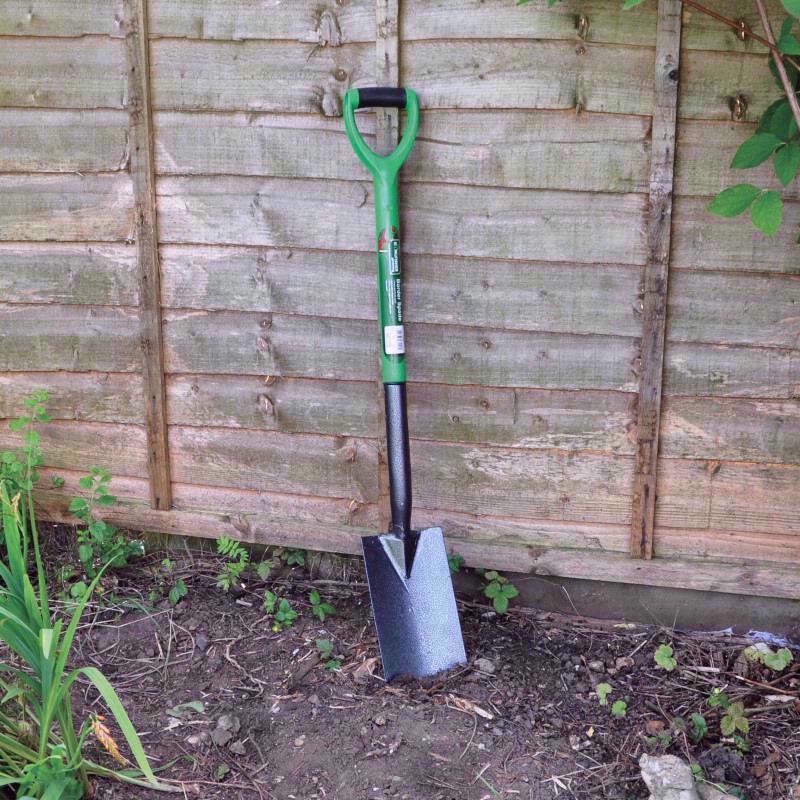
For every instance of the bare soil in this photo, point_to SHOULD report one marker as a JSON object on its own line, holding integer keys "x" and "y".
{"x": 522, "y": 720}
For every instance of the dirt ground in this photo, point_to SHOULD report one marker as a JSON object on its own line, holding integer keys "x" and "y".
{"x": 522, "y": 720}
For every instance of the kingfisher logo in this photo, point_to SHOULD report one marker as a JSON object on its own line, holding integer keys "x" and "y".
{"x": 387, "y": 236}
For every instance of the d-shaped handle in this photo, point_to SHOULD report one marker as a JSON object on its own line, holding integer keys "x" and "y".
{"x": 385, "y": 167}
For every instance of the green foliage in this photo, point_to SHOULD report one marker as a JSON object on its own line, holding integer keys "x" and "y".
{"x": 318, "y": 608}
{"x": 699, "y": 727}
{"x": 792, "y": 6}
{"x": 767, "y": 212}
{"x": 236, "y": 560}
{"x": 603, "y": 690}
{"x": 776, "y": 661}
{"x": 755, "y": 150}
{"x": 664, "y": 658}
{"x": 499, "y": 590}
{"x": 294, "y": 558}
{"x": 98, "y": 542}
{"x": 734, "y": 200}
{"x": 718, "y": 699}
{"x": 177, "y": 592}
{"x": 734, "y": 720}
{"x": 281, "y": 611}
{"x": 455, "y": 562}
{"x": 619, "y": 709}
{"x": 325, "y": 650}
{"x": 41, "y": 753}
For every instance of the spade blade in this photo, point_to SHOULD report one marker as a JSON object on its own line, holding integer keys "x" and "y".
{"x": 417, "y": 620}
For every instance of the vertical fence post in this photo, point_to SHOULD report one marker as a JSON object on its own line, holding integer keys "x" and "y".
{"x": 656, "y": 276}
{"x": 387, "y": 73}
{"x": 144, "y": 191}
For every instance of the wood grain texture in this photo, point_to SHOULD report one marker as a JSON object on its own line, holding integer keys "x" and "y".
{"x": 59, "y": 18}
{"x": 258, "y": 76}
{"x": 39, "y": 140}
{"x": 731, "y": 308}
{"x": 81, "y": 396}
{"x": 655, "y": 281}
{"x": 731, "y": 429}
{"x": 522, "y": 149}
{"x": 452, "y": 220}
{"x": 81, "y": 446}
{"x": 702, "y": 240}
{"x": 522, "y": 483}
{"x": 143, "y": 176}
{"x": 292, "y": 346}
{"x": 62, "y": 73}
{"x": 268, "y": 461}
{"x": 567, "y": 298}
{"x": 79, "y": 274}
{"x": 67, "y": 208}
{"x": 720, "y": 495}
{"x": 74, "y": 338}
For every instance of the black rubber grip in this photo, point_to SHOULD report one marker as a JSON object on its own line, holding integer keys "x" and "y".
{"x": 382, "y": 97}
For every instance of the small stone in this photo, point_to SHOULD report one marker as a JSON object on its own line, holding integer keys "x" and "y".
{"x": 221, "y": 737}
{"x": 300, "y": 741}
{"x": 201, "y": 642}
{"x": 484, "y": 665}
{"x": 237, "y": 748}
{"x": 380, "y": 721}
{"x": 597, "y": 666}
{"x": 668, "y": 778}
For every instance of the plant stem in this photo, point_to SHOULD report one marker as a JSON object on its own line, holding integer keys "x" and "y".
{"x": 787, "y": 84}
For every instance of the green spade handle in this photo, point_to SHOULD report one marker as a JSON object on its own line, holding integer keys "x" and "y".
{"x": 384, "y": 171}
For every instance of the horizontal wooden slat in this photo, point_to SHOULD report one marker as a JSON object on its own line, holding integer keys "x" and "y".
{"x": 59, "y": 18}
{"x": 82, "y": 339}
{"x": 730, "y": 371}
{"x": 63, "y": 73}
{"x": 522, "y": 483}
{"x": 81, "y": 274}
{"x": 705, "y": 241}
{"x": 515, "y": 295}
{"x": 268, "y": 461}
{"x": 513, "y": 417}
{"x": 257, "y": 76}
{"x": 337, "y": 525}
{"x": 66, "y": 208}
{"x": 728, "y": 496}
{"x": 288, "y": 346}
{"x": 737, "y": 430}
{"x": 453, "y": 220}
{"x": 83, "y": 445}
{"x": 704, "y": 153}
{"x": 346, "y": 408}
{"x": 38, "y": 140}
{"x": 523, "y": 149}
{"x": 731, "y": 308}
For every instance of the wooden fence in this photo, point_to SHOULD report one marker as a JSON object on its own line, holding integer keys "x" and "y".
{"x": 186, "y": 265}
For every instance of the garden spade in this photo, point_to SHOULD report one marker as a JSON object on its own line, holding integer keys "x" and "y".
{"x": 408, "y": 574}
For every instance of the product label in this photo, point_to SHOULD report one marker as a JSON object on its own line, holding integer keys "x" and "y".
{"x": 394, "y": 257}
{"x": 394, "y": 340}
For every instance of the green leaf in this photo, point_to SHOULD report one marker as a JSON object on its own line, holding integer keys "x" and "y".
{"x": 106, "y": 500}
{"x": 86, "y": 482}
{"x": 492, "y": 590}
{"x": 782, "y": 123}
{"x": 734, "y": 201}
{"x": 603, "y": 691}
{"x": 786, "y": 26}
{"x": 727, "y": 725}
{"x": 619, "y": 709}
{"x": 85, "y": 553}
{"x": 788, "y": 45}
{"x": 767, "y": 212}
{"x": 787, "y": 162}
{"x": 491, "y": 575}
{"x": 314, "y": 597}
{"x": 764, "y": 124}
{"x": 18, "y": 424}
{"x": 663, "y": 657}
{"x": 178, "y": 591}
{"x": 700, "y": 727}
{"x": 793, "y": 7}
{"x": 509, "y": 591}
{"x": 755, "y": 150}
{"x": 324, "y": 646}
{"x": 631, "y": 3}
{"x": 183, "y": 710}
{"x": 455, "y": 562}
{"x": 500, "y": 604}
{"x": 778, "y": 661}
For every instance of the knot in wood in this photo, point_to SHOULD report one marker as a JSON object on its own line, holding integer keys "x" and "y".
{"x": 582, "y": 26}
{"x": 263, "y": 344}
{"x": 266, "y": 405}
{"x": 738, "y": 108}
{"x": 329, "y": 33}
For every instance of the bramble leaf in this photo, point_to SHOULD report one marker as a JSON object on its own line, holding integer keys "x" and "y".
{"x": 787, "y": 162}
{"x": 755, "y": 150}
{"x": 734, "y": 201}
{"x": 767, "y": 212}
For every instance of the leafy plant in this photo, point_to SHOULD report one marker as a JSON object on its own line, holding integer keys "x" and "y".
{"x": 455, "y": 562}
{"x": 177, "y": 592}
{"x": 699, "y": 728}
{"x": 718, "y": 699}
{"x": 318, "y": 608}
{"x": 763, "y": 654}
{"x": 664, "y": 658}
{"x": 41, "y": 753}
{"x": 325, "y": 650}
{"x": 499, "y": 590}
{"x": 619, "y": 709}
{"x": 603, "y": 691}
{"x": 281, "y": 611}
{"x": 294, "y": 558}
{"x": 236, "y": 561}
{"x": 98, "y": 542}
{"x": 734, "y": 720}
